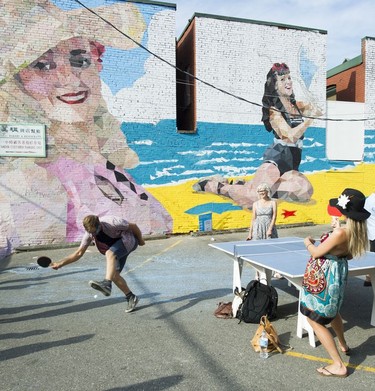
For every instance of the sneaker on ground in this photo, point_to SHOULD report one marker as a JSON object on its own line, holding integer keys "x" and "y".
{"x": 102, "y": 286}
{"x": 132, "y": 302}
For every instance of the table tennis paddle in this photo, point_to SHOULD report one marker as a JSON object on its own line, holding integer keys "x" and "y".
{"x": 44, "y": 261}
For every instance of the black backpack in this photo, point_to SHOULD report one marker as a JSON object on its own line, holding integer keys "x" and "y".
{"x": 258, "y": 300}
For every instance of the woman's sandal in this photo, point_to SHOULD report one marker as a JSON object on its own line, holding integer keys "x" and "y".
{"x": 329, "y": 374}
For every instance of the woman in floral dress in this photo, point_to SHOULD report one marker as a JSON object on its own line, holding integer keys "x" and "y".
{"x": 326, "y": 276}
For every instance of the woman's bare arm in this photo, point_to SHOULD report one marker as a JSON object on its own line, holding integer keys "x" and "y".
{"x": 335, "y": 244}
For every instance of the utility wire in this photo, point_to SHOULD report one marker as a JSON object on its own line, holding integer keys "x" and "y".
{"x": 195, "y": 77}
{"x": 209, "y": 84}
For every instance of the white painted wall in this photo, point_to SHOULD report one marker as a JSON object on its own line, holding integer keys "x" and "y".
{"x": 345, "y": 139}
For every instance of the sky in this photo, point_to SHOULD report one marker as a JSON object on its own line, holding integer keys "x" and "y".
{"x": 346, "y": 21}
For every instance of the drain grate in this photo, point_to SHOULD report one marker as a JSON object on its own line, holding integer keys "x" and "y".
{"x": 26, "y": 269}
{"x": 32, "y": 267}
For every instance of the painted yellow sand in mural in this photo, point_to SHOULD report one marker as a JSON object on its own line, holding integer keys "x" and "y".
{"x": 181, "y": 198}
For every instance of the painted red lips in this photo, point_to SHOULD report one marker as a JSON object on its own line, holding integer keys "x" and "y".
{"x": 74, "y": 97}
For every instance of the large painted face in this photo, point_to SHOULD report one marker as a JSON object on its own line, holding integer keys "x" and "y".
{"x": 284, "y": 85}
{"x": 65, "y": 81}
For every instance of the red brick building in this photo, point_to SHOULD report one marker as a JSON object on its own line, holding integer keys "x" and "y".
{"x": 346, "y": 82}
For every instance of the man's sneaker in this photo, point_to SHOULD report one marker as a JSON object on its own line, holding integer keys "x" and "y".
{"x": 132, "y": 302}
{"x": 103, "y": 286}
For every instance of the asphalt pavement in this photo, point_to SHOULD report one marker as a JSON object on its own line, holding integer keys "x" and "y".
{"x": 59, "y": 334}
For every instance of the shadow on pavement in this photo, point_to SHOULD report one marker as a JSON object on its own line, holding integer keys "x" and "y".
{"x": 37, "y": 347}
{"x": 159, "y": 384}
{"x": 60, "y": 311}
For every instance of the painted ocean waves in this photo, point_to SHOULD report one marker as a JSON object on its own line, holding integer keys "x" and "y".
{"x": 167, "y": 156}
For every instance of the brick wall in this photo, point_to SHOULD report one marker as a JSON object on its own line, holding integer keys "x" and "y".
{"x": 350, "y": 84}
{"x": 112, "y": 143}
{"x": 369, "y": 46}
{"x": 67, "y": 69}
{"x": 236, "y": 55}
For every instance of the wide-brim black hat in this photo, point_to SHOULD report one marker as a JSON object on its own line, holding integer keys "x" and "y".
{"x": 351, "y": 204}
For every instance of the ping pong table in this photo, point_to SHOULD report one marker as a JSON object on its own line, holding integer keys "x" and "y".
{"x": 287, "y": 256}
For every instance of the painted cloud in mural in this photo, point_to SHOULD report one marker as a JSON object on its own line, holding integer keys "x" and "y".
{"x": 153, "y": 81}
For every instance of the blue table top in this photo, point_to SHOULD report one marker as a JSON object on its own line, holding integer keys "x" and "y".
{"x": 287, "y": 256}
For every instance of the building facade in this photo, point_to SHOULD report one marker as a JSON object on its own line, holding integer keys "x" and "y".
{"x": 92, "y": 121}
{"x": 352, "y": 81}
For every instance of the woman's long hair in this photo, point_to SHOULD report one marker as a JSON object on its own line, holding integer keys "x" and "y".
{"x": 271, "y": 97}
{"x": 357, "y": 237}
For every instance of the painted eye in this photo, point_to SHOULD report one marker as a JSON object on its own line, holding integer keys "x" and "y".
{"x": 44, "y": 66}
{"x": 80, "y": 62}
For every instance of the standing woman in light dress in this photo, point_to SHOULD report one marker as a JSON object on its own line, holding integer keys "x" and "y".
{"x": 264, "y": 215}
{"x": 326, "y": 276}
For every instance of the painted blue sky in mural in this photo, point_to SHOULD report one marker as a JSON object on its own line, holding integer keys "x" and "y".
{"x": 115, "y": 58}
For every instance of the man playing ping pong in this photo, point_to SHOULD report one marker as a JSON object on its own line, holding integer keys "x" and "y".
{"x": 115, "y": 238}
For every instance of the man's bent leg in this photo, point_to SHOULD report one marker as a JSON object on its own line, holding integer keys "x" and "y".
{"x": 121, "y": 283}
{"x": 116, "y": 259}
{"x": 131, "y": 298}
{"x": 111, "y": 265}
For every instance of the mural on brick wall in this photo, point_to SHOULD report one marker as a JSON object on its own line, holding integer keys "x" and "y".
{"x": 283, "y": 117}
{"x": 54, "y": 79}
{"x": 228, "y": 156}
{"x": 109, "y": 110}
